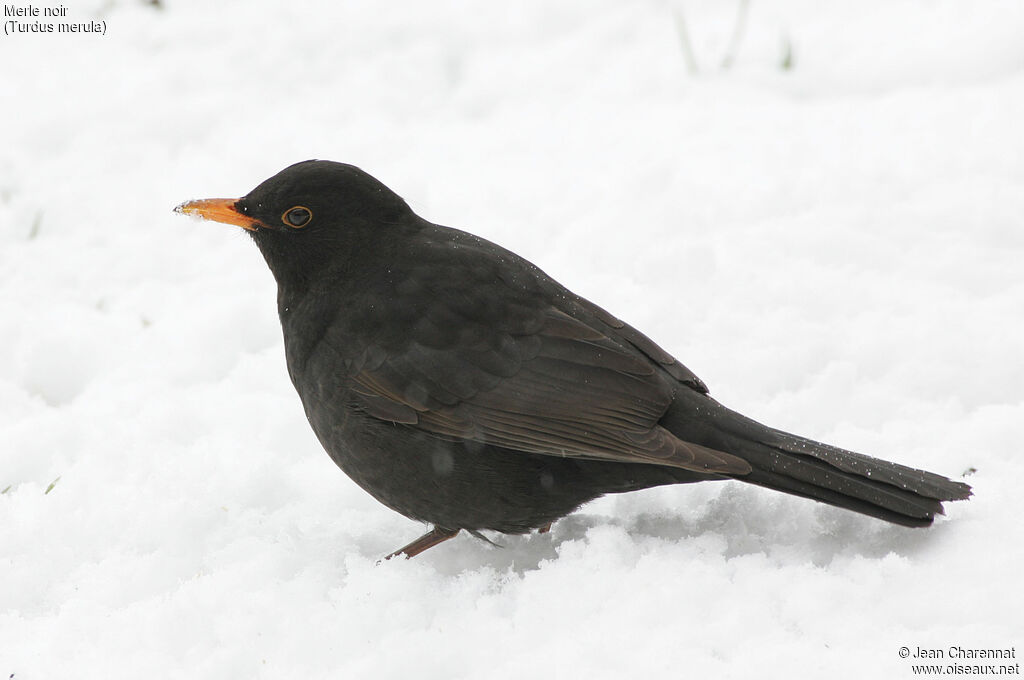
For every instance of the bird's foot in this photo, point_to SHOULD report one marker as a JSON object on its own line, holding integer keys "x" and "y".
{"x": 427, "y": 540}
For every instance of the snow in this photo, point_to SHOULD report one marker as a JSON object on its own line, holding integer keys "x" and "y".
{"x": 835, "y": 248}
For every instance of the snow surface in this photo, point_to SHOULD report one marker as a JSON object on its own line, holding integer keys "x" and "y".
{"x": 835, "y": 248}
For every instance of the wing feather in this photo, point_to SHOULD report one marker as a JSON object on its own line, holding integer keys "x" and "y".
{"x": 481, "y": 349}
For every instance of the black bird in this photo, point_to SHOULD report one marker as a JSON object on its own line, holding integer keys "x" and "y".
{"x": 461, "y": 386}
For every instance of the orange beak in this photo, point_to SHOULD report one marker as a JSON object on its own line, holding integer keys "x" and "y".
{"x": 218, "y": 210}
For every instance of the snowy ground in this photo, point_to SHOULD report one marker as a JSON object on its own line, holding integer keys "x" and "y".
{"x": 835, "y": 248}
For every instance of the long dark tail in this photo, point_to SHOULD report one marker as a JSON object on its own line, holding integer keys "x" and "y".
{"x": 803, "y": 467}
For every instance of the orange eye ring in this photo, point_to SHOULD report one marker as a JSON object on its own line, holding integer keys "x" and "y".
{"x": 297, "y": 217}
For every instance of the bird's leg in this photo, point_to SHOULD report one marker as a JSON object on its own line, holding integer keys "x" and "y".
{"x": 545, "y": 529}
{"x": 427, "y": 540}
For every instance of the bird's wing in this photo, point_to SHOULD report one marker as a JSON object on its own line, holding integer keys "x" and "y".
{"x": 502, "y": 365}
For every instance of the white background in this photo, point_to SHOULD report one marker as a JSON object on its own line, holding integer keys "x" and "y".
{"x": 837, "y": 249}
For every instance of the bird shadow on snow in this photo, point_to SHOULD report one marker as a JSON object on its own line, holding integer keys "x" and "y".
{"x": 746, "y": 522}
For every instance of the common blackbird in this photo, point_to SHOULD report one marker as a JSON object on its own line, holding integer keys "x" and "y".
{"x": 463, "y": 387}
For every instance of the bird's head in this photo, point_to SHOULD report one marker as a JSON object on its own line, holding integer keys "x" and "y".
{"x": 311, "y": 216}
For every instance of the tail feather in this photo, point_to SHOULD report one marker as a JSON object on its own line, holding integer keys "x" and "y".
{"x": 832, "y": 485}
{"x": 794, "y": 487}
{"x": 921, "y": 482}
{"x": 803, "y": 467}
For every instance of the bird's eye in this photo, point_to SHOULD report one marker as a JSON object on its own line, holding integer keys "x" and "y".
{"x": 297, "y": 217}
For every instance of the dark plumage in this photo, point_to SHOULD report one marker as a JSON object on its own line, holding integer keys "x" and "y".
{"x": 461, "y": 386}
